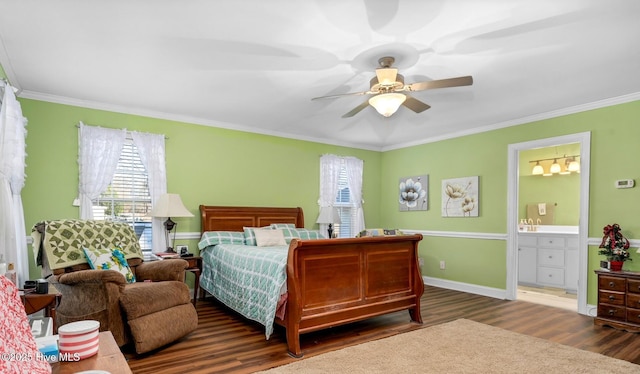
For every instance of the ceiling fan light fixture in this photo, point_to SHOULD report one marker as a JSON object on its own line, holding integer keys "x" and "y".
{"x": 387, "y": 76}
{"x": 386, "y": 88}
{"x": 388, "y": 103}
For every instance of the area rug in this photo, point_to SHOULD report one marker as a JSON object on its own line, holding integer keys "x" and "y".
{"x": 461, "y": 346}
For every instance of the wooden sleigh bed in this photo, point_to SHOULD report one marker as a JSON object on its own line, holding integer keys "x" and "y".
{"x": 333, "y": 281}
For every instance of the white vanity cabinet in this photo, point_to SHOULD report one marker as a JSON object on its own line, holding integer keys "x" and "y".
{"x": 548, "y": 260}
{"x": 527, "y": 259}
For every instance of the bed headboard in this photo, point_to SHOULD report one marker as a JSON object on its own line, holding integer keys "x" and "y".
{"x": 234, "y": 218}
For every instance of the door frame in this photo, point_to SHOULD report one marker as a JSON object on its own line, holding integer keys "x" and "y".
{"x": 584, "y": 139}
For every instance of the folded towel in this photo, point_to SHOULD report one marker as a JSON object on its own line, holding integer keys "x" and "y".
{"x": 542, "y": 209}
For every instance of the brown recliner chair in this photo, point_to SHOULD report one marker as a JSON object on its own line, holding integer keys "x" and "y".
{"x": 150, "y": 313}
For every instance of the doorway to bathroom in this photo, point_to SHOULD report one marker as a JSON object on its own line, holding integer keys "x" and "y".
{"x": 547, "y": 252}
{"x": 548, "y": 217}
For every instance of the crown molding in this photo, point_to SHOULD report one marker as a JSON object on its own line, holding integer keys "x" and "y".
{"x": 182, "y": 118}
{"x": 224, "y": 125}
{"x": 521, "y": 121}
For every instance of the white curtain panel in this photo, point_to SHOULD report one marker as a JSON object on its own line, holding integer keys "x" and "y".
{"x": 152, "y": 153}
{"x": 330, "y": 166}
{"x": 99, "y": 153}
{"x": 354, "y": 169}
{"x": 13, "y": 242}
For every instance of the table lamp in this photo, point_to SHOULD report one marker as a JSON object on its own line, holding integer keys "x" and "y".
{"x": 328, "y": 215}
{"x": 170, "y": 205}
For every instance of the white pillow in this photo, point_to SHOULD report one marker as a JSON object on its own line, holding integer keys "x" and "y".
{"x": 269, "y": 238}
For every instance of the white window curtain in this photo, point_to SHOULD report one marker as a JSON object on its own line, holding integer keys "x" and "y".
{"x": 13, "y": 241}
{"x": 99, "y": 152}
{"x": 355, "y": 168}
{"x": 152, "y": 153}
{"x": 329, "y": 176}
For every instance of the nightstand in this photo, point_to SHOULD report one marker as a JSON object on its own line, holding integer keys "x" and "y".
{"x": 195, "y": 267}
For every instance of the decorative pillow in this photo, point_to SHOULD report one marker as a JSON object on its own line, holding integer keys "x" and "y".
{"x": 220, "y": 237}
{"x": 310, "y": 234}
{"x": 250, "y": 236}
{"x": 109, "y": 259}
{"x": 269, "y": 238}
{"x": 290, "y": 233}
{"x": 283, "y": 226}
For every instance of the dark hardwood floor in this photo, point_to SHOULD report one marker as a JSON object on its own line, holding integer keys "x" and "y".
{"x": 227, "y": 343}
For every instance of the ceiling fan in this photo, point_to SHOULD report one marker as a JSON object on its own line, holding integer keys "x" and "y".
{"x": 388, "y": 87}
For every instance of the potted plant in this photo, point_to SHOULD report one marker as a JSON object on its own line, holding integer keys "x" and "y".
{"x": 615, "y": 246}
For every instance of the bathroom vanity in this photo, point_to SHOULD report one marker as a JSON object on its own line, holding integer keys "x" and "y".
{"x": 548, "y": 257}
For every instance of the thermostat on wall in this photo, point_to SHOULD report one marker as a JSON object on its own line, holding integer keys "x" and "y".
{"x": 625, "y": 183}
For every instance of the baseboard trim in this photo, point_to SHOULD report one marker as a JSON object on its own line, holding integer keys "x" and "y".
{"x": 496, "y": 293}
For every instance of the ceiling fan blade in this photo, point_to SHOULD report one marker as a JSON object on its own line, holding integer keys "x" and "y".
{"x": 386, "y": 76}
{"x": 441, "y": 83}
{"x": 344, "y": 94}
{"x": 415, "y": 104}
{"x": 356, "y": 110}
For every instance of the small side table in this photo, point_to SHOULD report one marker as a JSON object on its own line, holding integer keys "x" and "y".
{"x": 195, "y": 267}
{"x": 34, "y": 302}
{"x": 109, "y": 358}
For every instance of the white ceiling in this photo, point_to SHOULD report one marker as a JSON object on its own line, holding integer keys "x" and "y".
{"x": 255, "y": 65}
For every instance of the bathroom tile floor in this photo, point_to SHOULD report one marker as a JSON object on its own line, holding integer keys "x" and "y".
{"x": 554, "y": 297}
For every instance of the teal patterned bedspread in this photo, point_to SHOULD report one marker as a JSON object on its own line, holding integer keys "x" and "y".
{"x": 247, "y": 279}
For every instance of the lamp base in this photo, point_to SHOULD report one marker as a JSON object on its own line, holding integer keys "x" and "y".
{"x": 168, "y": 226}
{"x": 330, "y": 231}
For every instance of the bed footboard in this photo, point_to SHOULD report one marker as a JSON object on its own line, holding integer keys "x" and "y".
{"x": 337, "y": 281}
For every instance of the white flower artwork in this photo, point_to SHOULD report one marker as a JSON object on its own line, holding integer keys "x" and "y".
{"x": 413, "y": 193}
{"x": 460, "y": 197}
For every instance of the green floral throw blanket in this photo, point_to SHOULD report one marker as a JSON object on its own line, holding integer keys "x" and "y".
{"x": 64, "y": 239}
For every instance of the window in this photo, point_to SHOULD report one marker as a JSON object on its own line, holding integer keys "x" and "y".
{"x": 344, "y": 206}
{"x": 128, "y": 199}
{"x": 341, "y": 187}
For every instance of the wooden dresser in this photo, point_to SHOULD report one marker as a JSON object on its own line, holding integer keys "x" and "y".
{"x": 619, "y": 300}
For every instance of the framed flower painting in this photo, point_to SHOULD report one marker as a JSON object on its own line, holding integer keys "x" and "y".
{"x": 412, "y": 194}
{"x": 460, "y": 197}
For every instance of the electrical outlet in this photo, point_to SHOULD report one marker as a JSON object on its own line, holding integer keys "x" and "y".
{"x": 420, "y": 261}
{"x": 442, "y": 265}
{"x": 182, "y": 249}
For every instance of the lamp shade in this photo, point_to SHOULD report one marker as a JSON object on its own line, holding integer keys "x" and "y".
{"x": 388, "y": 103}
{"x": 555, "y": 167}
{"x": 574, "y": 166}
{"x": 170, "y": 205}
{"x": 328, "y": 214}
{"x": 538, "y": 169}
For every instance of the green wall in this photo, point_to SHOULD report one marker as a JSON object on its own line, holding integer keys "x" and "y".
{"x": 614, "y": 155}
{"x": 205, "y": 165}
